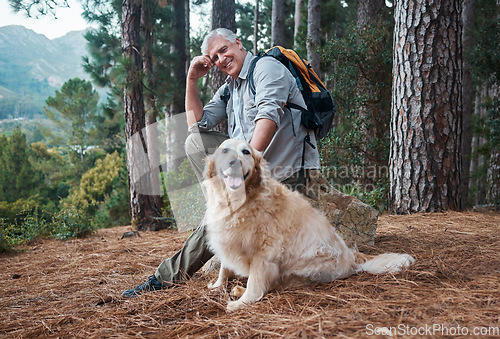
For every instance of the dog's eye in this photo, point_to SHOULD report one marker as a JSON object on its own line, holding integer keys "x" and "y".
{"x": 246, "y": 152}
{"x": 224, "y": 150}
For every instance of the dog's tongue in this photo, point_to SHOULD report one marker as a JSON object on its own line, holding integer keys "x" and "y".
{"x": 233, "y": 182}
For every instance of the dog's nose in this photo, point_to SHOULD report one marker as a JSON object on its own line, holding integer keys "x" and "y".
{"x": 232, "y": 162}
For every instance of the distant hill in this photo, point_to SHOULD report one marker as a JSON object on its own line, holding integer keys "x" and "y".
{"x": 32, "y": 67}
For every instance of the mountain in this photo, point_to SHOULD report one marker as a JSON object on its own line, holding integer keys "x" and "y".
{"x": 32, "y": 67}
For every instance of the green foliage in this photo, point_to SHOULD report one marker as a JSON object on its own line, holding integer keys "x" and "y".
{"x": 182, "y": 177}
{"x": 485, "y": 55}
{"x": 376, "y": 196}
{"x": 18, "y": 180}
{"x": 355, "y": 153}
{"x": 185, "y": 197}
{"x": 25, "y": 227}
{"x": 74, "y": 109}
{"x": 98, "y": 190}
{"x": 114, "y": 210}
{"x": 71, "y": 223}
{"x": 32, "y": 223}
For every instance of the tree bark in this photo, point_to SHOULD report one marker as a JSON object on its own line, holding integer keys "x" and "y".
{"x": 278, "y": 23}
{"x": 299, "y": 4}
{"x": 187, "y": 10}
{"x": 425, "y": 162}
{"x": 468, "y": 99}
{"x": 223, "y": 15}
{"x": 313, "y": 33}
{"x": 179, "y": 49}
{"x": 369, "y": 11}
{"x": 141, "y": 206}
{"x": 151, "y": 112}
{"x": 369, "y": 111}
{"x": 479, "y": 162}
{"x": 256, "y": 28}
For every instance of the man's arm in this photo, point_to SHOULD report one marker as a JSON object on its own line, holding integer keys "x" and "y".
{"x": 263, "y": 134}
{"x": 199, "y": 67}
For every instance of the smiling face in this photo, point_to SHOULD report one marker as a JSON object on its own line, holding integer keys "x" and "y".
{"x": 226, "y": 55}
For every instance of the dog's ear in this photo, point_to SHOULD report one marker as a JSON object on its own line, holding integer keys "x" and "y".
{"x": 257, "y": 156}
{"x": 210, "y": 171}
{"x": 258, "y": 159}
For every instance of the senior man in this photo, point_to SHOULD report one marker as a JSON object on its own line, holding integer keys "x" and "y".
{"x": 262, "y": 119}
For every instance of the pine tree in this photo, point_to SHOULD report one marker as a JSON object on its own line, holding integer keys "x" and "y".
{"x": 19, "y": 180}
{"x": 425, "y": 162}
{"x": 74, "y": 109}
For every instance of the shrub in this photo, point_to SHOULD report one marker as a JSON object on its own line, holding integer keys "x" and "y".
{"x": 72, "y": 223}
{"x": 102, "y": 192}
{"x": 23, "y": 229}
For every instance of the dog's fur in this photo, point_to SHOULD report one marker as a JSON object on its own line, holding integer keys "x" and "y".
{"x": 260, "y": 229}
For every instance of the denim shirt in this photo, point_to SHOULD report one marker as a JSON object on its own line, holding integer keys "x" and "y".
{"x": 274, "y": 87}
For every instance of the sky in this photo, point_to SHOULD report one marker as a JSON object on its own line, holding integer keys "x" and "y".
{"x": 68, "y": 19}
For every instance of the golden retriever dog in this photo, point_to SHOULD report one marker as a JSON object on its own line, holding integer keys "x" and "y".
{"x": 260, "y": 229}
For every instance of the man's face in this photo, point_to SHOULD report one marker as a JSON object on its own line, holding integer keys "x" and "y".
{"x": 227, "y": 56}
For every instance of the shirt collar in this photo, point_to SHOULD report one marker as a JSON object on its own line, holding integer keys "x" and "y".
{"x": 244, "y": 70}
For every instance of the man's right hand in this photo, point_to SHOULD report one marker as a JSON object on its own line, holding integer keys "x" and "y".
{"x": 199, "y": 67}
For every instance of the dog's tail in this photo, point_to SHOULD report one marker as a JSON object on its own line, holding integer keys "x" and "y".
{"x": 384, "y": 263}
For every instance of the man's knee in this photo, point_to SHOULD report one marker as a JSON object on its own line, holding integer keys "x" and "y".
{"x": 193, "y": 144}
{"x": 203, "y": 143}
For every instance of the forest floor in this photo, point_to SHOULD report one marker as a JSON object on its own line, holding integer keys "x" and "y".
{"x": 72, "y": 289}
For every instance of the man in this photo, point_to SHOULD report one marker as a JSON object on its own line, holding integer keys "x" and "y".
{"x": 261, "y": 119}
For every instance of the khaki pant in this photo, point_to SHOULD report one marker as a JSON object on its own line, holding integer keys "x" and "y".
{"x": 195, "y": 253}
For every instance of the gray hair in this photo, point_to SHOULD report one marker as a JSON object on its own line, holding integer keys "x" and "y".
{"x": 223, "y": 32}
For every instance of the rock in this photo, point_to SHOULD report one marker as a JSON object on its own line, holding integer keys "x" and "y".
{"x": 213, "y": 265}
{"x": 130, "y": 234}
{"x": 355, "y": 221}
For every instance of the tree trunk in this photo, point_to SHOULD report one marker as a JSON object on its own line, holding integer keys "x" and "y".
{"x": 141, "y": 206}
{"x": 151, "y": 112}
{"x": 256, "y": 28}
{"x": 479, "y": 162}
{"x": 223, "y": 15}
{"x": 179, "y": 49}
{"x": 297, "y": 21}
{"x": 468, "y": 99}
{"x": 369, "y": 11}
{"x": 187, "y": 10}
{"x": 313, "y": 33}
{"x": 426, "y": 119}
{"x": 278, "y": 23}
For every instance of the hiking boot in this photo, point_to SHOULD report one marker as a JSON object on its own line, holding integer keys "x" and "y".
{"x": 152, "y": 284}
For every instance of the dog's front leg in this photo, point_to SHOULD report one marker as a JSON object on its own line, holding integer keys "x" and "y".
{"x": 262, "y": 277}
{"x": 224, "y": 274}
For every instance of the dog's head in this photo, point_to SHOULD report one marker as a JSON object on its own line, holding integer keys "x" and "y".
{"x": 236, "y": 164}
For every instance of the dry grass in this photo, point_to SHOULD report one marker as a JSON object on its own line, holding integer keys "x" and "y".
{"x": 72, "y": 289}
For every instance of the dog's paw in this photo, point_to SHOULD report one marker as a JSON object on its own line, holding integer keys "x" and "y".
{"x": 234, "y": 305}
{"x": 237, "y": 291}
{"x": 214, "y": 286}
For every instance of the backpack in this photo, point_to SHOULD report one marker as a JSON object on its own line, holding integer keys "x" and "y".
{"x": 321, "y": 108}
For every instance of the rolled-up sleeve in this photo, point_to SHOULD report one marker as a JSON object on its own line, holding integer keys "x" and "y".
{"x": 272, "y": 87}
{"x": 213, "y": 113}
